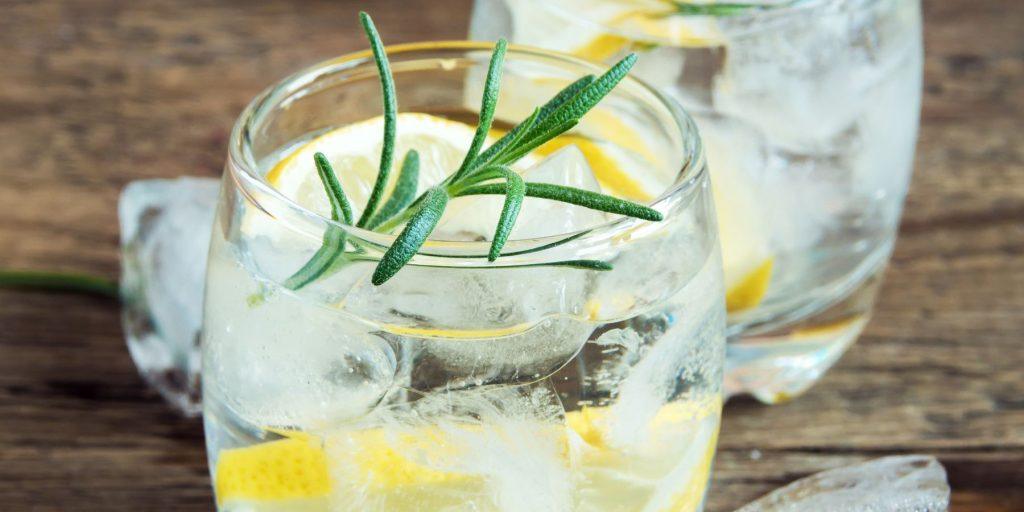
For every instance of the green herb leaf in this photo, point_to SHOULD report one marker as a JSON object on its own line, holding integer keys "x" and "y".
{"x": 520, "y": 130}
{"x": 524, "y": 148}
{"x": 583, "y": 264}
{"x": 566, "y": 94}
{"x": 579, "y": 197}
{"x": 341, "y": 209}
{"x": 59, "y": 282}
{"x": 515, "y": 190}
{"x": 487, "y": 107}
{"x": 686, "y": 8}
{"x": 387, "y": 152}
{"x": 404, "y": 191}
{"x": 508, "y": 141}
{"x": 575, "y": 108}
{"x": 413, "y": 235}
{"x": 334, "y": 239}
{"x": 580, "y": 264}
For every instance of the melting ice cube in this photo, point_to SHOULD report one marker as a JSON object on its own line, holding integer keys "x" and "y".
{"x": 803, "y": 86}
{"x": 542, "y": 217}
{"x": 911, "y": 483}
{"x": 165, "y": 234}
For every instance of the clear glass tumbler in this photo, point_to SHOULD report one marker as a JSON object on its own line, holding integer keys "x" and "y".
{"x": 461, "y": 384}
{"x": 808, "y": 111}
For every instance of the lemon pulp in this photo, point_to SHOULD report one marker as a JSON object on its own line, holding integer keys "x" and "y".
{"x": 296, "y": 472}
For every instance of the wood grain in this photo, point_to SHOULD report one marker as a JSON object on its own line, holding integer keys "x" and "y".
{"x": 96, "y": 93}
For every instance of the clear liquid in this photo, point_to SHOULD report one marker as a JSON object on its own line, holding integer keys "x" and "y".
{"x": 512, "y": 389}
{"x": 809, "y": 120}
{"x": 617, "y": 416}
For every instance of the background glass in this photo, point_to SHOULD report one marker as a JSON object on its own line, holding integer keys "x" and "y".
{"x": 462, "y": 384}
{"x": 808, "y": 111}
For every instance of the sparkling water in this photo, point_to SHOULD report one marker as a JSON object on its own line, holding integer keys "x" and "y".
{"x": 507, "y": 389}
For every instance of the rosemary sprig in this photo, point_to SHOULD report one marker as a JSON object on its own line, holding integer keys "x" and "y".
{"x": 334, "y": 239}
{"x": 404, "y": 192}
{"x": 482, "y": 171}
{"x": 576, "y": 196}
{"x": 487, "y": 107}
{"x": 59, "y": 282}
{"x": 416, "y": 231}
{"x": 387, "y": 85}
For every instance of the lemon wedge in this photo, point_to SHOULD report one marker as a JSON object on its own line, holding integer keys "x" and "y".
{"x": 293, "y": 469}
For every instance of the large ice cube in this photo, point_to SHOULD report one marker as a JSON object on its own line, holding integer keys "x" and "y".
{"x": 801, "y": 84}
{"x": 463, "y": 327}
{"x": 165, "y": 234}
{"x": 911, "y": 483}
{"x": 542, "y": 217}
{"x": 275, "y": 360}
{"x": 475, "y": 218}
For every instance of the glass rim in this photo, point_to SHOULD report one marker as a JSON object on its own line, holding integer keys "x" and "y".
{"x": 246, "y": 173}
{"x": 775, "y": 12}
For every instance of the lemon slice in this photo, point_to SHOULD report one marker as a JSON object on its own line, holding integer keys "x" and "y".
{"x": 661, "y": 28}
{"x": 354, "y": 152}
{"x": 612, "y": 28}
{"x": 746, "y": 254}
{"x": 293, "y": 470}
{"x": 303, "y": 472}
{"x": 294, "y": 473}
{"x": 669, "y": 475}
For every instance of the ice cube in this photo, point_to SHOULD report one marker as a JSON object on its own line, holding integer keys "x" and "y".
{"x": 165, "y": 234}
{"x": 475, "y": 218}
{"x": 278, "y": 361}
{"x": 801, "y": 84}
{"x": 687, "y": 352}
{"x": 462, "y": 327}
{"x": 542, "y": 217}
{"x": 501, "y": 448}
{"x": 909, "y": 483}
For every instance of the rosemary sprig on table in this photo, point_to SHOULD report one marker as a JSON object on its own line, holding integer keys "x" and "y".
{"x": 482, "y": 171}
{"x": 59, "y": 282}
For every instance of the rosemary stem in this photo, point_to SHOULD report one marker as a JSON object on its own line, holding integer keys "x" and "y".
{"x": 59, "y": 282}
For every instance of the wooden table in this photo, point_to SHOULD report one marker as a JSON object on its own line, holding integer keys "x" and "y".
{"x": 96, "y": 93}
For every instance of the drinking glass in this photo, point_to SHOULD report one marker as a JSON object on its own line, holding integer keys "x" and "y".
{"x": 518, "y": 385}
{"x": 808, "y": 111}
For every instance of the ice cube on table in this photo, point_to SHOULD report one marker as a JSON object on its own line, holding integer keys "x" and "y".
{"x": 475, "y": 217}
{"x": 909, "y": 483}
{"x": 165, "y": 235}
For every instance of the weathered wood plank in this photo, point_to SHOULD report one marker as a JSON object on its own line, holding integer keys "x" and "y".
{"x": 97, "y": 93}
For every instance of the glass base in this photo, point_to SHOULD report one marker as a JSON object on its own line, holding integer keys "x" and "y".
{"x": 777, "y": 363}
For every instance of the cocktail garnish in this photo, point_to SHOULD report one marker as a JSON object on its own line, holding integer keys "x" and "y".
{"x": 483, "y": 171}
